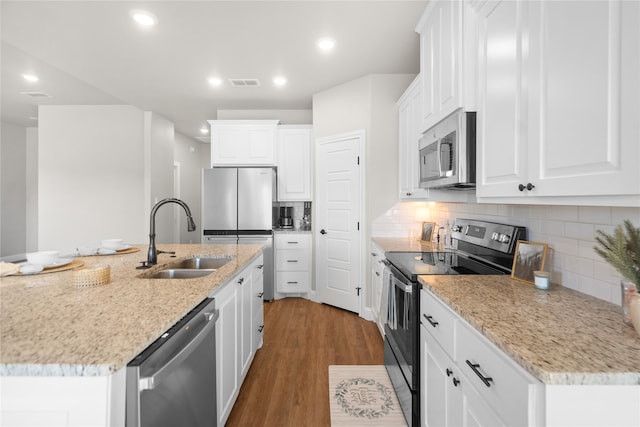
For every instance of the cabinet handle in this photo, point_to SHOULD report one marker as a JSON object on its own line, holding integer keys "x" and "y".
{"x": 456, "y": 382}
{"x": 377, "y": 274}
{"x": 292, "y": 260}
{"x": 374, "y": 254}
{"x": 260, "y": 328}
{"x": 292, "y": 283}
{"x": 408, "y": 194}
{"x": 449, "y": 372}
{"x": 260, "y": 266}
{"x": 240, "y": 281}
{"x": 474, "y": 367}
{"x": 430, "y": 320}
{"x": 293, "y": 243}
{"x": 260, "y": 294}
{"x": 528, "y": 187}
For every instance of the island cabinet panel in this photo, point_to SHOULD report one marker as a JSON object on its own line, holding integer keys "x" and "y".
{"x": 236, "y": 342}
{"x": 466, "y": 381}
{"x": 243, "y": 142}
{"x": 77, "y": 402}
{"x": 558, "y": 110}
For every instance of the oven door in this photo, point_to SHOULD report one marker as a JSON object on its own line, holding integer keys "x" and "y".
{"x": 401, "y": 343}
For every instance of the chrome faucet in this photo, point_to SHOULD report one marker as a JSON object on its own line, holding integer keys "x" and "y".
{"x": 152, "y": 257}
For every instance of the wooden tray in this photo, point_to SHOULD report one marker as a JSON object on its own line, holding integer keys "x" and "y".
{"x": 124, "y": 252}
{"x": 73, "y": 264}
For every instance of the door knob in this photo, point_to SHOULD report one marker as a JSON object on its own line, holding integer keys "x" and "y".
{"x": 322, "y": 231}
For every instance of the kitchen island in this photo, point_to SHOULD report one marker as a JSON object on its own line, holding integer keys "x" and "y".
{"x": 59, "y": 339}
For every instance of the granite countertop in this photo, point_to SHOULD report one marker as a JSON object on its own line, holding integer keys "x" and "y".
{"x": 48, "y": 326}
{"x": 402, "y": 244}
{"x": 560, "y": 336}
{"x": 290, "y": 231}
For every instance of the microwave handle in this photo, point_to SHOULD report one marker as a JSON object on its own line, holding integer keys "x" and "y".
{"x": 439, "y": 151}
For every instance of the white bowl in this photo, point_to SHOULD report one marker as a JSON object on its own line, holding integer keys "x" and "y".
{"x": 111, "y": 244}
{"x": 87, "y": 251}
{"x": 43, "y": 257}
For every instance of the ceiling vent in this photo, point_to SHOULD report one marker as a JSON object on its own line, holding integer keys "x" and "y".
{"x": 36, "y": 94}
{"x": 244, "y": 82}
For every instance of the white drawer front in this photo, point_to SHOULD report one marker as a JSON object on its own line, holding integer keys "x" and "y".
{"x": 293, "y": 260}
{"x": 509, "y": 388}
{"x": 293, "y": 282}
{"x": 439, "y": 321}
{"x": 292, "y": 241}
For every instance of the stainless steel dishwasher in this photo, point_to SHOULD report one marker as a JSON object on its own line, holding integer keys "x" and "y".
{"x": 173, "y": 381}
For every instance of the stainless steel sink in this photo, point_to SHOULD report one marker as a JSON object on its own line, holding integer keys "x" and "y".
{"x": 180, "y": 273}
{"x": 190, "y": 268}
{"x": 201, "y": 263}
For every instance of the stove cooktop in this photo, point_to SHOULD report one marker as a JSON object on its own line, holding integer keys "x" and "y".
{"x": 414, "y": 264}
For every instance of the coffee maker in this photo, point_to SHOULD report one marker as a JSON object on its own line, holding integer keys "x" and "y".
{"x": 286, "y": 217}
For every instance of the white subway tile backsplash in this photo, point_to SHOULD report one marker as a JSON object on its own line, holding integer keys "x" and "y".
{"x": 568, "y": 230}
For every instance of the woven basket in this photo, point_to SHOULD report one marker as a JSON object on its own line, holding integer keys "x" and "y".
{"x": 92, "y": 276}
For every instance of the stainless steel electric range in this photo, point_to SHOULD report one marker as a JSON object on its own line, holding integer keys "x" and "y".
{"x": 481, "y": 247}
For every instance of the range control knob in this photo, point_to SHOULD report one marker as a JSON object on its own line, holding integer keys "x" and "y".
{"x": 495, "y": 236}
{"x": 457, "y": 228}
{"x": 504, "y": 238}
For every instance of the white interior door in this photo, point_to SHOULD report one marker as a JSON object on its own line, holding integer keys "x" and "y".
{"x": 338, "y": 216}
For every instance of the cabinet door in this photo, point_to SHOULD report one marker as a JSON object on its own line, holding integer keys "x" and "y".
{"x": 243, "y": 144}
{"x": 408, "y": 135}
{"x": 440, "y": 61}
{"x": 502, "y": 103}
{"x": 247, "y": 323}
{"x": 227, "y": 345}
{"x": 294, "y": 164}
{"x": 585, "y": 98}
{"x": 442, "y": 396}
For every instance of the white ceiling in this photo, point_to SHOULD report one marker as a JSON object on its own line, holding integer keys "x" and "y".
{"x": 91, "y": 52}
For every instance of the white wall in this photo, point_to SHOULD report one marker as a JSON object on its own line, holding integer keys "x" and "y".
{"x": 13, "y": 186}
{"x": 32, "y": 190}
{"x": 568, "y": 230}
{"x": 190, "y": 155}
{"x": 91, "y": 183}
{"x": 286, "y": 117}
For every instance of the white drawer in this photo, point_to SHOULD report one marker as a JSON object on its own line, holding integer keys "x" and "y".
{"x": 439, "y": 321}
{"x": 509, "y": 390}
{"x": 293, "y": 260}
{"x": 293, "y": 282}
{"x": 292, "y": 241}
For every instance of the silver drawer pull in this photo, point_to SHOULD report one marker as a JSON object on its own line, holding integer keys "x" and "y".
{"x": 292, "y": 260}
{"x": 292, "y": 283}
{"x": 474, "y": 367}
{"x": 293, "y": 243}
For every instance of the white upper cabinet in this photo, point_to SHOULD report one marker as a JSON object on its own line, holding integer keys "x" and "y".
{"x": 441, "y": 60}
{"x": 243, "y": 142}
{"x": 409, "y": 122}
{"x": 558, "y": 106}
{"x": 294, "y": 163}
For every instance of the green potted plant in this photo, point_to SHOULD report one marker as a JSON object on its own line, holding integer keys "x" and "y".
{"x": 622, "y": 250}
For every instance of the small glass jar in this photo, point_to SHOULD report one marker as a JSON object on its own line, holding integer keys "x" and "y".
{"x": 541, "y": 280}
{"x": 629, "y": 290}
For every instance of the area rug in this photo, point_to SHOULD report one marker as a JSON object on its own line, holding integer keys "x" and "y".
{"x": 362, "y": 395}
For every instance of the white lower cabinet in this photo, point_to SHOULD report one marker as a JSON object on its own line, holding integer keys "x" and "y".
{"x": 378, "y": 301}
{"x": 293, "y": 263}
{"x": 235, "y": 336}
{"x": 466, "y": 381}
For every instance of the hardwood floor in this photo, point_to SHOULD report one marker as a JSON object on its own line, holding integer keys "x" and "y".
{"x": 287, "y": 384}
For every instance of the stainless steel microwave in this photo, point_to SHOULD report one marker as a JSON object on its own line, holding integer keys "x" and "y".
{"x": 448, "y": 153}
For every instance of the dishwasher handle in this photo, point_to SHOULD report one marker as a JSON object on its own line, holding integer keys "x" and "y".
{"x": 151, "y": 381}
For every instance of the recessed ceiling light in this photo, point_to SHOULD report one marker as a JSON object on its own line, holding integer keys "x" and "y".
{"x": 215, "y": 81}
{"x": 279, "y": 81}
{"x": 204, "y": 130}
{"x": 143, "y": 17}
{"x": 326, "y": 44}
{"x": 30, "y": 77}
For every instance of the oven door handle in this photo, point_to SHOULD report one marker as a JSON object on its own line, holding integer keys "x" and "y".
{"x": 406, "y": 288}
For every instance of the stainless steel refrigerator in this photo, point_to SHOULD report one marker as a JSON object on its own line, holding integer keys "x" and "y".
{"x": 237, "y": 207}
